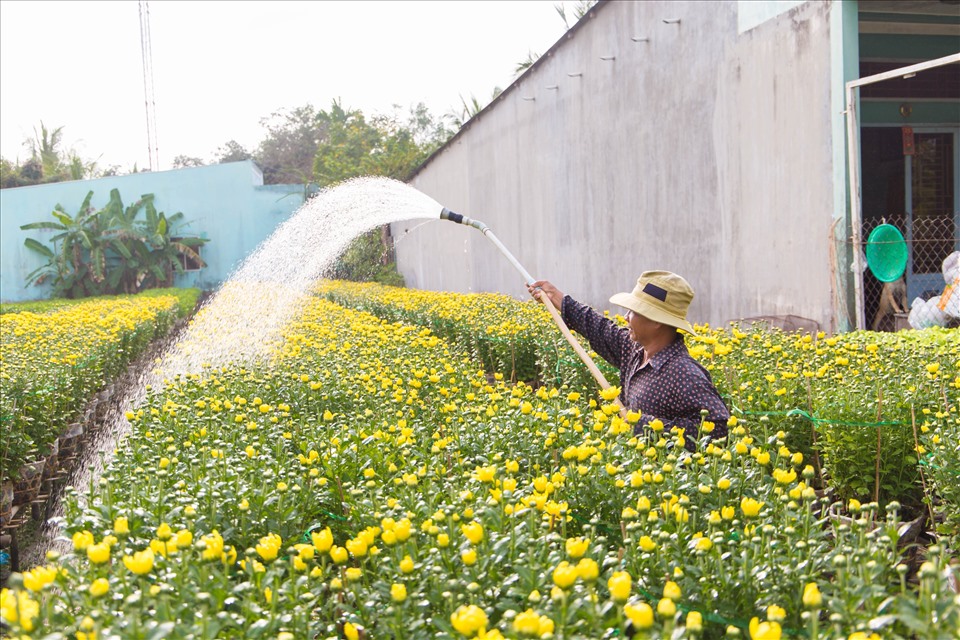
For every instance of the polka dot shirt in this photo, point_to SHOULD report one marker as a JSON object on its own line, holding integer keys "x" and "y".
{"x": 671, "y": 386}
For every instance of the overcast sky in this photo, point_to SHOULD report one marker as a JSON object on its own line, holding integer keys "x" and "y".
{"x": 219, "y": 67}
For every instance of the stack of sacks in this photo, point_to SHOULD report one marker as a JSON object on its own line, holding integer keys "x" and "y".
{"x": 940, "y": 310}
{"x": 950, "y": 298}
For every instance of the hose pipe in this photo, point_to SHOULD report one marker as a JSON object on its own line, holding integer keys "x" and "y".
{"x": 446, "y": 214}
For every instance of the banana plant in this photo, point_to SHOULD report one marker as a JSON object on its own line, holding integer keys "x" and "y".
{"x": 166, "y": 249}
{"x": 127, "y": 242}
{"x": 76, "y": 266}
{"x": 112, "y": 250}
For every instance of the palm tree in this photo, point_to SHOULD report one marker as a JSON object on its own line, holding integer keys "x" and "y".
{"x": 45, "y": 148}
{"x": 468, "y": 109}
{"x": 579, "y": 10}
{"x": 526, "y": 64}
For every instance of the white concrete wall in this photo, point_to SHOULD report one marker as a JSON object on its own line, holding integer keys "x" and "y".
{"x": 701, "y": 151}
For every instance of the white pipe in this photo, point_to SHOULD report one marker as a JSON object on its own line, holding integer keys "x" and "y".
{"x": 446, "y": 214}
{"x": 902, "y": 71}
{"x": 519, "y": 267}
{"x": 853, "y": 153}
{"x": 853, "y": 163}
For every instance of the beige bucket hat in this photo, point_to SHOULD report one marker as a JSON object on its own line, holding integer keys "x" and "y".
{"x": 660, "y": 296}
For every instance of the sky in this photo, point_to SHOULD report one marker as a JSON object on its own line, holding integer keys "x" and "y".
{"x": 220, "y": 67}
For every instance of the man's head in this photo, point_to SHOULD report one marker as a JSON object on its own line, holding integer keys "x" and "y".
{"x": 660, "y": 297}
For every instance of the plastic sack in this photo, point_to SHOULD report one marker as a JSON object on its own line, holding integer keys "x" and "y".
{"x": 950, "y": 300}
{"x": 926, "y": 313}
{"x": 951, "y": 267}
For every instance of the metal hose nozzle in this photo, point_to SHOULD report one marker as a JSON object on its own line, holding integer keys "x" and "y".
{"x": 446, "y": 214}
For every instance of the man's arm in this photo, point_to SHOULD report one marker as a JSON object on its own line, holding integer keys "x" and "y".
{"x": 612, "y": 343}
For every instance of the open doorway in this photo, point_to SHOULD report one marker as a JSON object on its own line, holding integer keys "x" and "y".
{"x": 910, "y": 180}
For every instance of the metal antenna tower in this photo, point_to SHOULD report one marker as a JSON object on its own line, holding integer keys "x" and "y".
{"x": 148, "y": 95}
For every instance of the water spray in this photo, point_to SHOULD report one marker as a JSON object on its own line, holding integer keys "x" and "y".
{"x": 447, "y": 214}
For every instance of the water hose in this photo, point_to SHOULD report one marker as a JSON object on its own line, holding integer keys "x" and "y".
{"x": 446, "y": 214}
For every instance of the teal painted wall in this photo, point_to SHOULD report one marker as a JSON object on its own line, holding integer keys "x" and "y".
{"x": 924, "y": 114}
{"x": 910, "y": 49}
{"x": 227, "y": 203}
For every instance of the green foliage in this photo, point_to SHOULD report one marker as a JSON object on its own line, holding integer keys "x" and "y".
{"x": 48, "y": 162}
{"x": 111, "y": 250}
{"x": 232, "y": 151}
{"x": 383, "y": 146}
{"x": 356, "y": 147}
{"x": 940, "y": 472}
{"x": 580, "y": 9}
{"x": 287, "y": 153}
{"x": 184, "y": 161}
{"x": 365, "y": 260}
{"x": 458, "y": 116}
{"x": 76, "y": 264}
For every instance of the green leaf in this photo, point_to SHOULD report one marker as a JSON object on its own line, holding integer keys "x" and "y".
{"x": 113, "y": 279}
{"x": 85, "y": 240}
{"x": 85, "y": 206}
{"x": 51, "y": 226}
{"x": 65, "y": 219}
{"x": 42, "y": 249}
{"x": 97, "y": 262}
{"x": 114, "y": 208}
{"x": 121, "y": 248}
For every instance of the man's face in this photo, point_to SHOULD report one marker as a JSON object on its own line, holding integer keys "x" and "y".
{"x": 641, "y": 328}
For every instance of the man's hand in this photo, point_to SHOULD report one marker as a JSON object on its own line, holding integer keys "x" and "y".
{"x": 541, "y": 287}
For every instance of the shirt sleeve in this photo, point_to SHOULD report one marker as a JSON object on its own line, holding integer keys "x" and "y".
{"x": 612, "y": 343}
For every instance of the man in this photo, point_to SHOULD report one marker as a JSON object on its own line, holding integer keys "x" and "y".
{"x": 657, "y": 375}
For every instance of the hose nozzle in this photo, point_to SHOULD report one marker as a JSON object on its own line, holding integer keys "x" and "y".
{"x": 446, "y": 214}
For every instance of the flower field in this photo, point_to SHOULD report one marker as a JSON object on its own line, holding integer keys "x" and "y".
{"x": 373, "y": 481}
{"x": 56, "y": 354}
{"x": 868, "y": 400}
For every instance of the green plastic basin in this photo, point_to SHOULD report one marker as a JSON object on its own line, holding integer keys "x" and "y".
{"x": 886, "y": 253}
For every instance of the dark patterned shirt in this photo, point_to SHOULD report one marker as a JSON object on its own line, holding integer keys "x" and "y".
{"x": 671, "y": 386}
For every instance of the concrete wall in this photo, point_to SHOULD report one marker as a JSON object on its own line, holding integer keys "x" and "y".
{"x": 702, "y": 150}
{"x": 226, "y": 203}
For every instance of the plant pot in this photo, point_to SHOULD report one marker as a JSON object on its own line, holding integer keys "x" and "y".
{"x": 26, "y": 488}
{"x": 52, "y": 465}
{"x": 6, "y": 502}
{"x": 70, "y": 441}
